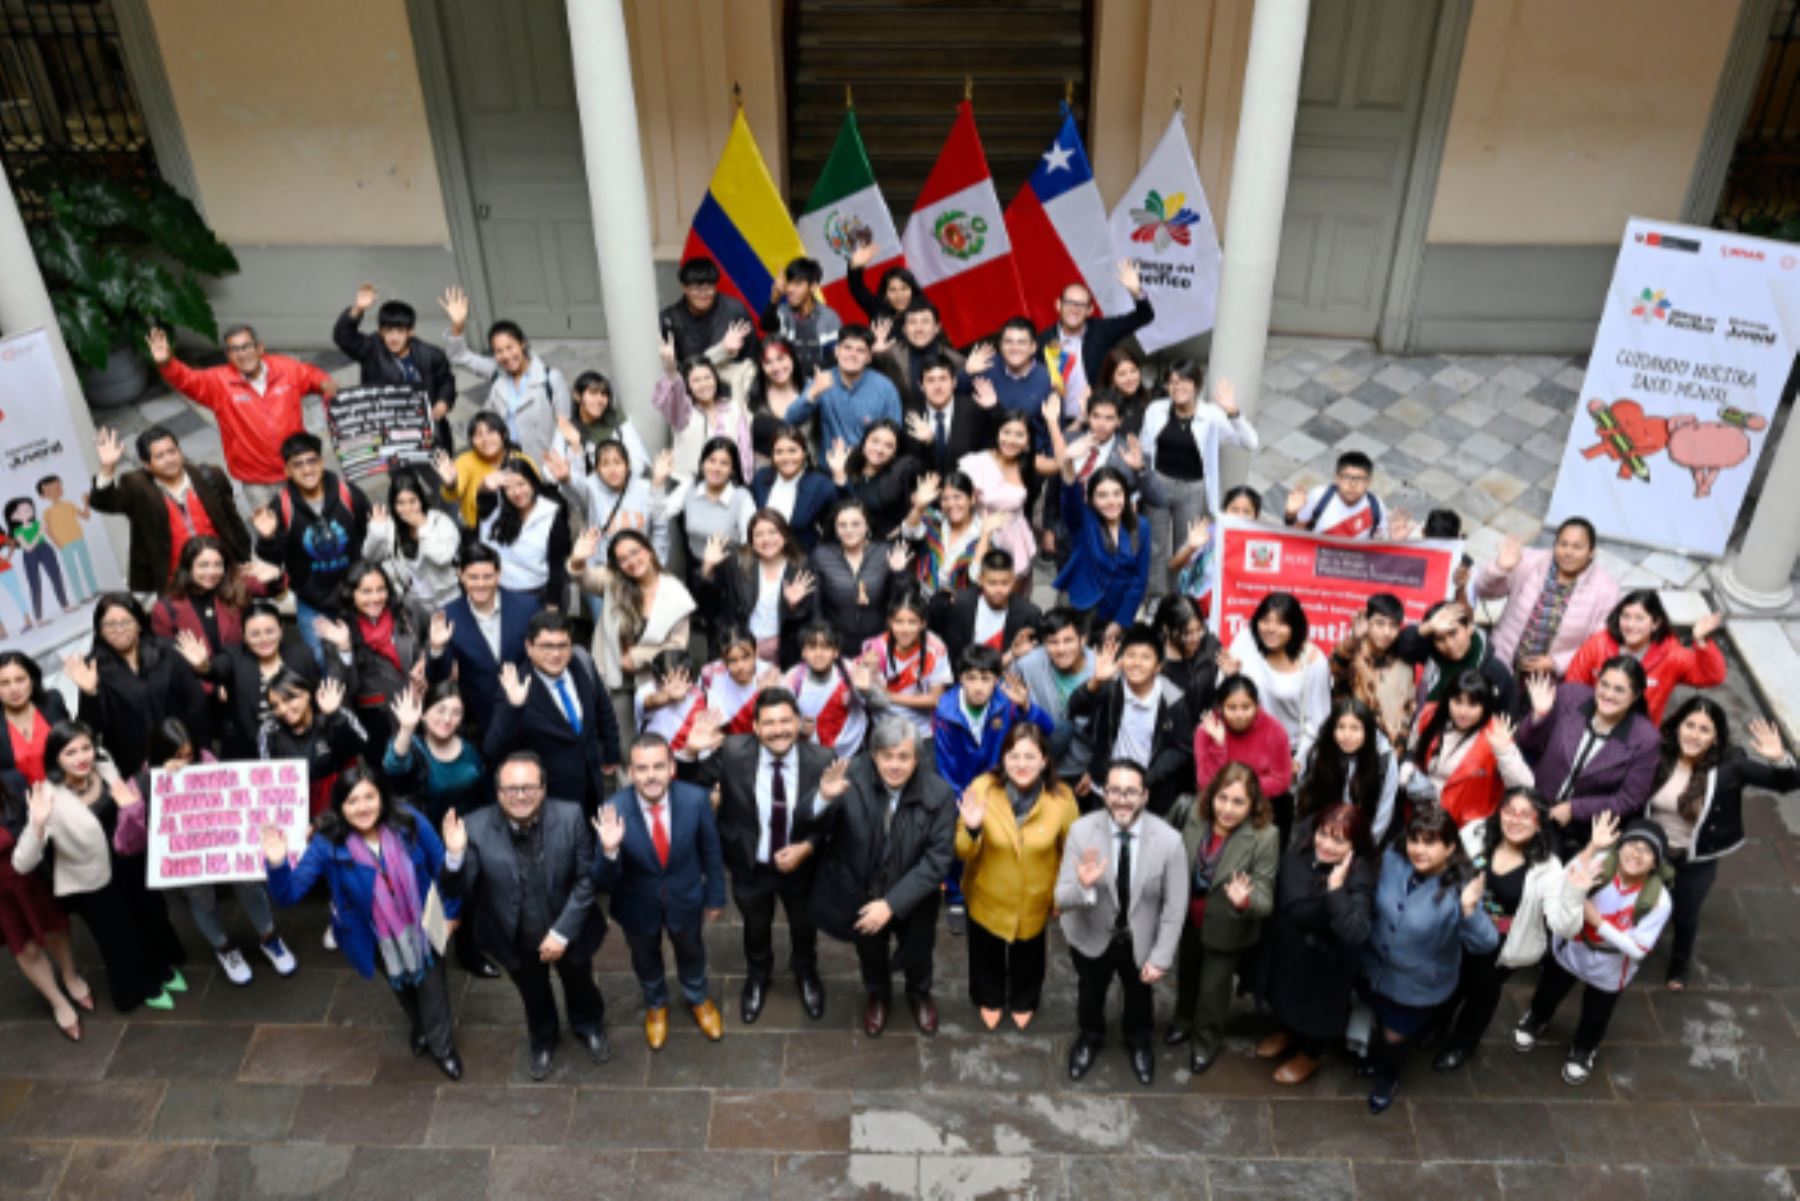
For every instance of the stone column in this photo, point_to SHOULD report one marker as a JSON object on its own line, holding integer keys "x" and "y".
{"x": 1259, "y": 184}
{"x": 1759, "y": 575}
{"x": 25, "y": 304}
{"x": 618, "y": 197}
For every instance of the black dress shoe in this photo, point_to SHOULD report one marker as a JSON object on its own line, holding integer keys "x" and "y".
{"x": 1366, "y": 1069}
{"x": 1450, "y": 1059}
{"x": 1176, "y": 1034}
{"x": 812, "y": 996}
{"x": 599, "y": 1049}
{"x": 478, "y": 965}
{"x": 1200, "y": 1063}
{"x": 750, "y": 1006}
{"x": 1143, "y": 1065}
{"x": 540, "y": 1065}
{"x": 1081, "y": 1058}
{"x": 451, "y": 1065}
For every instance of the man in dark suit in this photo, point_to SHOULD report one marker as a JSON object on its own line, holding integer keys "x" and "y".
{"x": 884, "y": 833}
{"x": 767, "y": 782}
{"x": 921, "y": 339}
{"x": 554, "y": 708}
{"x": 945, "y": 425}
{"x": 991, "y": 615}
{"x": 167, "y": 502}
{"x": 394, "y": 358}
{"x": 524, "y": 871}
{"x": 660, "y": 860}
{"x": 479, "y": 632}
{"x": 1077, "y": 345}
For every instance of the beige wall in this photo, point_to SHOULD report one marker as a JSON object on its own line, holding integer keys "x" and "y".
{"x": 1565, "y": 122}
{"x": 685, "y": 56}
{"x": 1143, "y": 51}
{"x": 304, "y": 120}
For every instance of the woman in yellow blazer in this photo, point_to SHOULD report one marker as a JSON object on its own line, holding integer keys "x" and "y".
{"x": 1014, "y": 821}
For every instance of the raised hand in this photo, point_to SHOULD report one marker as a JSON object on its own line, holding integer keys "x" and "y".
{"x": 336, "y": 633}
{"x": 331, "y": 696}
{"x": 838, "y": 458}
{"x": 834, "y": 781}
{"x": 1200, "y": 533}
{"x": 676, "y": 685}
{"x": 1765, "y": 740}
{"x": 262, "y": 573}
{"x": 983, "y": 389}
{"x": 378, "y": 514}
{"x": 899, "y": 555}
{"x": 661, "y": 468}
{"x": 918, "y": 428}
{"x": 1228, "y": 662}
{"x": 586, "y": 543}
{"x": 707, "y": 732}
{"x": 863, "y": 255}
{"x": 556, "y": 466}
{"x": 445, "y": 466}
{"x": 1340, "y": 873}
{"x": 1605, "y": 833}
{"x": 1500, "y": 733}
{"x": 1133, "y": 454}
{"x": 717, "y": 551}
{"x": 110, "y": 448}
{"x": 274, "y": 845}
{"x": 1296, "y": 500}
{"x": 38, "y": 804}
{"x": 736, "y": 334}
{"x": 366, "y": 295}
{"x": 926, "y": 494}
{"x": 821, "y": 383}
{"x": 1237, "y": 891}
{"x": 862, "y": 676}
{"x": 442, "y": 628}
{"x": 1091, "y": 868}
{"x": 1707, "y": 626}
{"x": 1213, "y": 726}
{"x": 264, "y": 521}
{"x": 1106, "y": 662}
{"x": 611, "y": 829}
{"x": 1051, "y": 411}
{"x": 796, "y": 590}
{"x": 972, "y": 808}
{"x": 1023, "y": 643}
{"x": 514, "y": 685}
{"x": 83, "y": 673}
{"x": 883, "y": 329}
{"x": 455, "y": 303}
{"x": 981, "y": 358}
{"x": 1015, "y": 690}
{"x": 1511, "y": 551}
{"x": 1127, "y": 274}
{"x": 666, "y": 349}
{"x": 1583, "y": 873}
{"x": 1224, "y": 394}
{"x": 1541, "y": 687}
{"x": 158, "y": 342}
{"x": 407, "y": 709}
{"x": 456, "y": 839}
{"x": 194, "y": 650}
{"x": 1472, "y": 893}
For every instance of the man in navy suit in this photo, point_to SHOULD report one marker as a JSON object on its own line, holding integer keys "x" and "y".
{"x": 558, "y": 709}
{"x": 480, "y": 632}
{"x": 661, "y": 861}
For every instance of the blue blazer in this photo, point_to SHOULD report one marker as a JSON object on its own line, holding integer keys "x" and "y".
{"x": 648, "y": 897}
{"x": 477, "y": 674}
{"x": 812, "y": 500}
{"x": 1108, "y": 583}
{"x": 353, "y": 886}
{"x": 1416, "y": 939}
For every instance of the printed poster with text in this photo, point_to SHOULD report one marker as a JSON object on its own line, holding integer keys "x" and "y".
{"x": 1693, "y": 352}
{"x": 206, "y": 821}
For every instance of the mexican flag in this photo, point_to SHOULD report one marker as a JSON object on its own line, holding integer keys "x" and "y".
{"x": 956, "y": 239}
{"x": 846, "y": 211}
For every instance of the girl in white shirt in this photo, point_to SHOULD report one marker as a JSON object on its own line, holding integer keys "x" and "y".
{"x": 1292, "y": 676}
{"x": 524, "y": 520}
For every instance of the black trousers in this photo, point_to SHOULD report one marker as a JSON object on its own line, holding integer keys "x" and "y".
{"x": 905, "y": 946}
{"x": 427, "y": 1006}
{"x": 1597, "y": 1005}
{"x": 581, "y": 996}
{"x": 1094, "y": 976}
{"x": 1470, "y": 1009}
{"x": 755, "y": 895}
{"x": 1006, "y": 975}
{"x": 690, "y": 964}
{"x": 1693, "y": 881}
{"x": 134, "y": 947}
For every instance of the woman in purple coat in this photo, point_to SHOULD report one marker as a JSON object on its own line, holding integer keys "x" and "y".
{"x": 1593, "y": 750}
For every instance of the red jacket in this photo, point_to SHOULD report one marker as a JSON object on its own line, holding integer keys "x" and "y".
{"x": 1667, "y": 665}
{"x": 252, "y": 427}
{"x": 1264, "y": 748}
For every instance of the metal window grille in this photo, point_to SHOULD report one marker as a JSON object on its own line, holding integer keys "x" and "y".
{"x": 65, "y": 96}
{"x": 1762, "y": 185}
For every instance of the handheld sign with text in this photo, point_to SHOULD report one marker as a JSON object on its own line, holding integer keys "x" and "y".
{"x": 375, "y": 430}
{"x": 1332, "y": 578}
{"x": 206, "y": 821}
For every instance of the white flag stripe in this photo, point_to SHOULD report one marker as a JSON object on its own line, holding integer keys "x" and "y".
{"x": 846, "y": 219}
{"x": 1079, "y": 218}
{"x": 928, "y": 259}
{"x": 1179, "y": 256}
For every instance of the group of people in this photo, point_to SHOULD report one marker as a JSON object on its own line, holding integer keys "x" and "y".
{"x": 557, "y": 677}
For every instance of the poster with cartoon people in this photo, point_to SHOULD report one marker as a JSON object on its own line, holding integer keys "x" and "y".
{"x": 55, "y": 555}
{"x": 1693, "y": 352}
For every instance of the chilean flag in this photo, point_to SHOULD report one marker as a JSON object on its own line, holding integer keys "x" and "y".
{"x": 1058, "y": 228}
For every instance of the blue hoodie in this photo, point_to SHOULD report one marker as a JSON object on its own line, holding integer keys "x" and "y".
{"x": 960, "y": 757}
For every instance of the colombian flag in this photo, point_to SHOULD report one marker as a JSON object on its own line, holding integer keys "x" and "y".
{"x": 742, "y": 224}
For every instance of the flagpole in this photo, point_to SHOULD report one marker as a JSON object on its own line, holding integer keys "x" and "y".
{"x": 737, "y": 98}
{"x": 968, "y": 87}
{"x": 849, "y": 100}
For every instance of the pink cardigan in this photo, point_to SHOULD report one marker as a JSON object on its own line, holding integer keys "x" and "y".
{"x": 1594, "y": 597}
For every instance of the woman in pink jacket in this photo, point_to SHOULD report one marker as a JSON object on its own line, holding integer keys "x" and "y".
{"x": 1556, "y": 599}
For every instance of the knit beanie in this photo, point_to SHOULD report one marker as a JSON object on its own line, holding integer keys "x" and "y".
{"x": 1649, "y": 833}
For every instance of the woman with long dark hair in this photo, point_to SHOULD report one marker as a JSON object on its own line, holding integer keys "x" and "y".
{"x": 950, "y": 538}
{"x": 791, "y": 487}
{"x": 1430, "y": 901}
{"x": 134, "y": 682}
{"x": 378, "y": 652}
{"x": 1190, "y": 654}
{"x": 380, "y": 860}
{"x": 702, "y": 401}
{"x": 1697, "y": 797}
{"x": 1108, "y": 568}
{"x": 857, "y": 575}
{"x": 1240, "y": 730}
{"x": 1464, "y": 756}
{"x": 524, "y": 391}
{"x": 1350, "y": 763}
{"x": 612, "y": 498}
{"x": 1556, "y": 599}
{"x": 302, "y": 725}
{"x": 1292, "y": 675}
{"x": 34, "y": 927}
{"x": 525, "y": 520}
{"x": 73, "y": 820}
{"x": 878, "y": 475}
{"x": 208, "y": 591}
{"x": 1639, "y": 627}
{"x": 30, "y": 710}
{"x": 465, "y": 476}
{"x": 1181, "y": 438}
{"x": 415, "y": 543}
{"x": 645, "y": 610}
{"x": 1004, "y": 478}
{"x": 910, "y": 669}
{"x": 598, "y": 419}
{"x": 240, "y": 674}
{"x": 1592, "y": 750}
{"x": 1125, "y": 376}
{"x": 778, "y": 397}
{"x": 764, "y": 587}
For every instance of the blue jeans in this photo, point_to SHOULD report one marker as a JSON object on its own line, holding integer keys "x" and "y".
{"x": 690, "y": 964}
{"x": 78, "y": 569}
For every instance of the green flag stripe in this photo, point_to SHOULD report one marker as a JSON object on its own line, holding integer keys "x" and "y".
{"x": 847, "y": 171}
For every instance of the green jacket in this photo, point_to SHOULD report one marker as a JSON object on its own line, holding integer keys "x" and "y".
{"x": 1256, "y": 853}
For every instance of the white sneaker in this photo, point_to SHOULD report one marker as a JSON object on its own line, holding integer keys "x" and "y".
{"x": 236, "y": 970}
{"x": 280, "y": 956}
{"x": 330, "y": 939}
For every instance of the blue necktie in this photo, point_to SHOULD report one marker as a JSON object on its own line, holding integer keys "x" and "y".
{"x": 568, "y": 702}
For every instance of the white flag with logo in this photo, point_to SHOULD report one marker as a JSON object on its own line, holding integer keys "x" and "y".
{"x": 1164, "y": 223}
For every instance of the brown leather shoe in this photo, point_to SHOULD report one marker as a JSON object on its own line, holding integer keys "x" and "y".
{"x": 656, "y": 1027}
{"x": 706, "y": 1016}
{"x": 1274, "y": 1046}
{"x": 874, "y": 1017}
{"x": 924, "y": 1013}
{"x": 1297, "y": 1070}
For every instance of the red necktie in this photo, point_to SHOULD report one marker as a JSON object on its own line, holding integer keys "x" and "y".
{"x": 1093, "y": 458}
{"x": 659, "y": 834}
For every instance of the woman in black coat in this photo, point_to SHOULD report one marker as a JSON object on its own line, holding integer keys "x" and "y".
{"x": 374, "y": 650}
{"x": 857, "y": 576}
{"x": 134, "y": 682}
{"x": 878, "y": 475}
{"x": 1312, "y": 943}
{"x": 240, "y": 674}
{"x": 771, "y": 559}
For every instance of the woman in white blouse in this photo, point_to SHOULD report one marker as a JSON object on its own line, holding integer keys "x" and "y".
{"x": 525, "y": 522}
{"x": 644, "y": 611}
{"x": 1293, "y": 677}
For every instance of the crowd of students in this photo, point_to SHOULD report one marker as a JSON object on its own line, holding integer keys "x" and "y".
{"x": 797, "y": 650}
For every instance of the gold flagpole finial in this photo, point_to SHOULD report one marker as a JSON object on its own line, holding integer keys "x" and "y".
{"x": 968, "y": 87}
{"x": 737, "y": 97}
{"x": 849, "y": 101}
{"x": 1069, "y": 92}
{"x": 1177, "y": 97}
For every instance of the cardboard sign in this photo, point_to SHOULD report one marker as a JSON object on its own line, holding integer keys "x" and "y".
{"x": 375, "y": 430}
{"x": 206, "y": 821}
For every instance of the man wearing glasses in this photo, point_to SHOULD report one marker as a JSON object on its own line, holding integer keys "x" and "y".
{"x": 1076, "y": 346}
{"x": 699, "y": 321}
{"x": 524, "y": 870}
{"x": 256, "y": 399}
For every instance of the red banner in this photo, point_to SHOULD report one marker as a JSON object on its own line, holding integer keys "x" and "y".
{"x": 1332, "y": 578}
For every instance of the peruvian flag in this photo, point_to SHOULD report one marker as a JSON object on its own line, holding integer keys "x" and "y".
{"x": 956, "y": 239}
{"x": 1059, "y": 233}
{"x": 845, "y": 213}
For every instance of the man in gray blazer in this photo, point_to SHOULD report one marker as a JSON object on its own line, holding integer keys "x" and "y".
{"x": 1123, "y": 892}
{"x": 523, "y": 871}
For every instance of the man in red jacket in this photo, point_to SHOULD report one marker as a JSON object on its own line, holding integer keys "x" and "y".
{"x": 257, "y": 401}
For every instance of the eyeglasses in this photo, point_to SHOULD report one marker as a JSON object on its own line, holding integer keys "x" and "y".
{"x": 118, "y": 624}
{"x": 1126, "y": 794}
{"x": 305, "y": 461}
{"x": 1076, "y": 304}
{"x": 699, "y": 287}
{"x": 519, "y": 791}
{"x": 1353, "y": 477}
{"x": 239, "y": 347}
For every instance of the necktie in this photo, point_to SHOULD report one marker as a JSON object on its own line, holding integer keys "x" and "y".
{"x": 1092, "y": 461}
{"x": 659, "y": 834}
{"x": 1124, "y": 880}
{"x": 568, "y": 703}
{"x": 940, "y": 437}
{"x": 778, "y": 815}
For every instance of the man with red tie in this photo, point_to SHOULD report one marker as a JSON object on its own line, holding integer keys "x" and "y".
{"x": 660, "y": 860}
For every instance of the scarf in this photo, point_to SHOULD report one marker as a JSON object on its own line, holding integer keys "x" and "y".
{"x": 395, "y": 908}
{"x": 378, "y": 636}
{"x": 1446, "y": 671}
{"x": 593, "y": 433}
{"x": 934, "y": 563}
{"x": 1546, "y": 616}
{"x": 1022, "y": 802}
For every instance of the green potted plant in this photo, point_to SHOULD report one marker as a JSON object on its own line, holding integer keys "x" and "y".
{"x": 119, "y": 257}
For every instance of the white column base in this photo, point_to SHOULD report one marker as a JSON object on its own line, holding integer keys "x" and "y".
{"x": 1744, "y": 596}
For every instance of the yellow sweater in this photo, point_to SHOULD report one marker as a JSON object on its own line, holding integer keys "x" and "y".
{"x": 1009, "y": 873}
